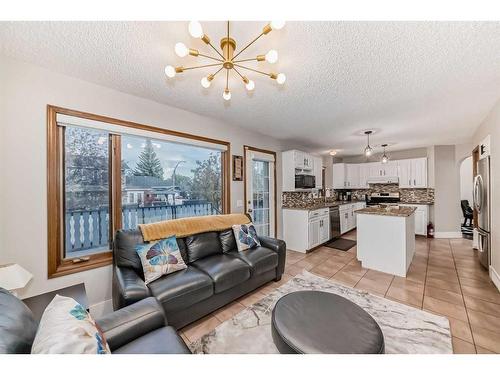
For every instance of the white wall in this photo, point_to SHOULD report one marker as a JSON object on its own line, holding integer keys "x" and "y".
{"x": 466, "y": 179}
{"x": 491, "y": 126}
{"x": 25, "y": 92}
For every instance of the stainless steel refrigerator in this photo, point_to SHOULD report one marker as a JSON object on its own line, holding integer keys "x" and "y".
{"x": 481, "y": 197}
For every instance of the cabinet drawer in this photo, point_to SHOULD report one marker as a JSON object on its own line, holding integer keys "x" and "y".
{"x": 317, "y": 213}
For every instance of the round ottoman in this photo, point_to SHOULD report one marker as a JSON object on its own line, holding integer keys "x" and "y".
{"x": 320, "y": 322}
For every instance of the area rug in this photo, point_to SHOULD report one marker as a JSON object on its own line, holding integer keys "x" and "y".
{"x": 406, "y": 330}
{"x": 341, "y": 244}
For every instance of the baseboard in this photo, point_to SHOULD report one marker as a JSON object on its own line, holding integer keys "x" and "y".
{"x": 101, "y": 308}
{"x": 448, "y": 235}
{"x": 495, "y": 277}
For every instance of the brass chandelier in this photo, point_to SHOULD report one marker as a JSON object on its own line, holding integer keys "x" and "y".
{"x": 226, "y": 57}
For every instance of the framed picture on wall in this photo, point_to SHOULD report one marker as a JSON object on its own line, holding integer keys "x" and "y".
{"x": 237, "y": 168}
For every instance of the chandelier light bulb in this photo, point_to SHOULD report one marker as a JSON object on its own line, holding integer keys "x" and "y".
{"x": 281, "y": 78}
{"x": 272, "y": 56}
{"x": 181, "y": 50}
{"x": 277, "y": 25}
{"x": 333, "y": 152}
{"x": 170, "y": 71}
{"x": 195, "y": 29}
{"x": 226, "y": 95}
{"x": 205, "y": 82}
{"x": 250, "y": 85}
{"x": 368, "y": 151}
{"x": 385, "y": 159}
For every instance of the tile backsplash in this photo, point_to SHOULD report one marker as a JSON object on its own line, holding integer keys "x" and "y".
{"x": 305, "y": 199}
{"x": 424, "y": 196}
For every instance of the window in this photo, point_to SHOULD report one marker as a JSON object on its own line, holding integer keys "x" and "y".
{"x": 105, "y": 174}
{"x": 168, "y": 181}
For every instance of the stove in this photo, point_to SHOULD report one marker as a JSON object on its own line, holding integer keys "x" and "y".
{"x": 383, "y": 198}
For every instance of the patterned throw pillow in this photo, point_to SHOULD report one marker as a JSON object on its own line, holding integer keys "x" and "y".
{"x": 160, "y": 258}
{"x": 67, "y": 328}
{"x": 246, "y": 236}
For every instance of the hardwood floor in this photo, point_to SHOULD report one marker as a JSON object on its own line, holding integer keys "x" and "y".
{"x": 445, "y": 278}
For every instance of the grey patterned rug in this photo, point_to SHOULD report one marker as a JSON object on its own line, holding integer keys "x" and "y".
{"x": 406, "y": 330}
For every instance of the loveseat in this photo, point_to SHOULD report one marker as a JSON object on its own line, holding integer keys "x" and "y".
{"x": 140, "y": 328}
{"x": 216, "y": 273}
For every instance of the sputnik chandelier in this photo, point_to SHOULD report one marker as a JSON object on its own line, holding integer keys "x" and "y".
{"x": 226, "y": 58}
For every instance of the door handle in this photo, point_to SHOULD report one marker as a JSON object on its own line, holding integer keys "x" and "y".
{"x": 250, "y": 210}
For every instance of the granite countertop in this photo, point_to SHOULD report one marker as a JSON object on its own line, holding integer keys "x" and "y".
{"x": 313, "y": 207}
{"x": 400, "y": 211}
{"x": 415, "y": 202}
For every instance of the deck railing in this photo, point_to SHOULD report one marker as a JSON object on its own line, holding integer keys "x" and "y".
{"x": 89, "y": 229}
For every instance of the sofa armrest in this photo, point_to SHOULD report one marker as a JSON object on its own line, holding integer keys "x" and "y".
{"x": 131, "y": 322}
{"x": 279, "y": 246}
{"x": 128, "y": 287}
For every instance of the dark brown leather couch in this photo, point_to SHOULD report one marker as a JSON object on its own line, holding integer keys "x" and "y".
{"x": 216, "y": 275}
{"x": 140, "y": 328}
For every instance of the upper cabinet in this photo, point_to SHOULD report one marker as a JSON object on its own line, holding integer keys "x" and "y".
{"x": 296, "y": 162}
{"x": 411, "y": 173}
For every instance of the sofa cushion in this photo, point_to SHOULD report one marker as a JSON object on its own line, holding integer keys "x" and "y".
{"x": 182, "y": 289}
{"x": 160, "y": 258}
{"x": 17, "y": 325}
{"x": 227, "y": 240}
{"x": 260, "y": 259}
{"x": 125, "y": 244}
{"x": 202, "y": 245}
{"x": 246, "y": 236}
{"x": 163, "y": 340}
{"x": 226, "y": 271}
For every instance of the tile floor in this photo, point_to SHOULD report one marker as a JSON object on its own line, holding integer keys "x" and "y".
{"x": 444, "y": 278}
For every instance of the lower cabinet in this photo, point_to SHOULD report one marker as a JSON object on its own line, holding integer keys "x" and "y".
{"x": 348, "y": 216}
{"x": 421, "y": 218}
{"x": 304, "y": 230}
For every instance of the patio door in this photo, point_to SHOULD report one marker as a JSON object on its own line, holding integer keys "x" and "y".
{"x": 260, "y": 189}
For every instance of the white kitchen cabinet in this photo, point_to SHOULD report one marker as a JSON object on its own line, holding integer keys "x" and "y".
{"x": 304, "y": 230}
{"x": 364, "y": 175}
{"x": 352, "y": 176}
{"x": 314, "y": 229}
{"x": 318, "y": 171}
{"x": 339, "y": 176}
{"x": 412, "y": 173}
{"x": 298, "y": 162}
{"x": 324, "y": 229}
{"x": 345, "y": 176}
{"x": 421, "y": 218}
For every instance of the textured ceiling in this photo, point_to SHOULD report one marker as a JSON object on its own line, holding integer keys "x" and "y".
{"x": 416, "y": 83}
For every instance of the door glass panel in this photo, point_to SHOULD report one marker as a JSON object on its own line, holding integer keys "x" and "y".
{"x": 261, "y": 197}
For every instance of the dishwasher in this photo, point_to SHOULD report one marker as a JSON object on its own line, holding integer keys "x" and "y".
{"x": 334, "y": 222}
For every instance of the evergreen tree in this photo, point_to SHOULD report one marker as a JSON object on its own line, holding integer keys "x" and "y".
{"x": 149, "y": 164}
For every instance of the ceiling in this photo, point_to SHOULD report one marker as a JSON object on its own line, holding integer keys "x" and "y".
{"x": 416, "y": 83}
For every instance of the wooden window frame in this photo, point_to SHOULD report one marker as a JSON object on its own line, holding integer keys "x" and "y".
{"x": 251, "y": 148}
{"x": 57, "y": 265}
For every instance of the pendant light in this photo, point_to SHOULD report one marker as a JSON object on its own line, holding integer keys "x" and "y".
{"x": 384, "y": 158}
{"x": 368, "y": 149}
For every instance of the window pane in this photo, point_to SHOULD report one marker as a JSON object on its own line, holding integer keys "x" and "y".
{"x": 165, "y": 180}
{"x": 86, "y": 166}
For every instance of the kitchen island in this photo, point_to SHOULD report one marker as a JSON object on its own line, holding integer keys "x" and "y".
{"x": 386, "y": 238}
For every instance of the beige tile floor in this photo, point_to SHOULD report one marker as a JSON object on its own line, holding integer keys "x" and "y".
{"x": 444, "y": 278}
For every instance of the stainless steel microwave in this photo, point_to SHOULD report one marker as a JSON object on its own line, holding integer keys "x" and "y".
{"x": 305, "y": 181}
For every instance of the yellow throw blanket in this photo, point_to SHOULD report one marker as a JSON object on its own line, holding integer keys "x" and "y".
{"x": 191, "y": 225}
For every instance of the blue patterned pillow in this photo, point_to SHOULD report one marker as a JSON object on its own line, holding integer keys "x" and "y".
{"x": 160, "y": 258}
{"x": 246, "y": 236}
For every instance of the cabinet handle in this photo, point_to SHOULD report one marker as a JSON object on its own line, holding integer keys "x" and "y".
{"x": 414, "y": 182}
{"x": 409, "y": 182}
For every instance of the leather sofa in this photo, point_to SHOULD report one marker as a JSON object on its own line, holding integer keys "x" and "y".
{"x": 216, "y": 275}
{"x": 140, "y": 328}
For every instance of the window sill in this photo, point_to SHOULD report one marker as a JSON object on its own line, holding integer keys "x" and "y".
{"x": 67, "y": 267}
